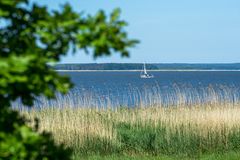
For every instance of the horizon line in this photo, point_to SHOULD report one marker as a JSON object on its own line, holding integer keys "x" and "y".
{"x": 146, "y": 63}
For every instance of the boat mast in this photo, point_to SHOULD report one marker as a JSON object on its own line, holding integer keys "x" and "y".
{"x": 144, "y": 66}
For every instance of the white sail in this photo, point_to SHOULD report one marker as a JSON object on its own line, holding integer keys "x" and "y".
{"x": 144, "y": 68}
{"x": 144, "y": 73}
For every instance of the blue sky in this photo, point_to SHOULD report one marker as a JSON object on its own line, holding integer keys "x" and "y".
{"x": 170, "y": 31}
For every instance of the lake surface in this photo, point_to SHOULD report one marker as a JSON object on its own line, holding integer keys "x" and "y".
{"x": 126, "y": 88}
{"x": 121, "y": 80}
{"x": 104, "y": 89}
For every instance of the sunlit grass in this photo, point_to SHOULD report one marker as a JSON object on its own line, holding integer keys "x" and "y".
{"x": 189, "y": 130}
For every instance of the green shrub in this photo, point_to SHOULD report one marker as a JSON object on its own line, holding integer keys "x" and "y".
{"x": 32, "y": 38}
{"x": 19, "y": 142}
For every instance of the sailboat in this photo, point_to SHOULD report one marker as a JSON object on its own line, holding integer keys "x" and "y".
{"x": 144, "y": 73}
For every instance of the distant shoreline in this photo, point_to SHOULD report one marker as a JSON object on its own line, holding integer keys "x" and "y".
{"x": 159, "y": 70}
{"x": 158, "y": 67}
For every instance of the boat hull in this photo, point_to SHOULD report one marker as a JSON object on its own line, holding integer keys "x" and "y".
{"x": 147, "y": 76}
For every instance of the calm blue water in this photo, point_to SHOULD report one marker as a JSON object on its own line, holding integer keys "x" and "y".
{"x": 167, "y": 88}
{"x": 128, "y": 89}
{"x": 120, "y": 81}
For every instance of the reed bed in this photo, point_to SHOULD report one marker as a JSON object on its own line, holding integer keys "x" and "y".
{"x": 190, "y": 128}
{"x": 148, "y": 96}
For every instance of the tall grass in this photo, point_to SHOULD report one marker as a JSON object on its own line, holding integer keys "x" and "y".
{"x": 160, "y": 96}
{"x": 182, "y": 127}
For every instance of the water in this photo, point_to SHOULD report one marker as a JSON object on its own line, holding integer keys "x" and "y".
{"x": 125, "y": 88}
{"x": 120, "y": 81}
{"x": 128, "y": 89}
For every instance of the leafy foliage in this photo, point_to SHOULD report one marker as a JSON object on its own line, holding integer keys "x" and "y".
{"x": 19, "y": 142}
{"x": 31, "y": 37}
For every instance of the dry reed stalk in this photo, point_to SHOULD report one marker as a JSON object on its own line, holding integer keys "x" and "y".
{"x": 71, "y": 124}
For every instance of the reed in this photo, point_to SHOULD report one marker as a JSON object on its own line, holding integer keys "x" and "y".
{"x": 181, "y": 128}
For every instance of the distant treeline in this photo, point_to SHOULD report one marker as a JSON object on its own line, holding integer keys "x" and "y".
{"x": 153, "y": 66}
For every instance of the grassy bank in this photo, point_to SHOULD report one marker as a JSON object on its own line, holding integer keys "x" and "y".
{"x": 190, "y": 132}
{"x": 216, "y": 156}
